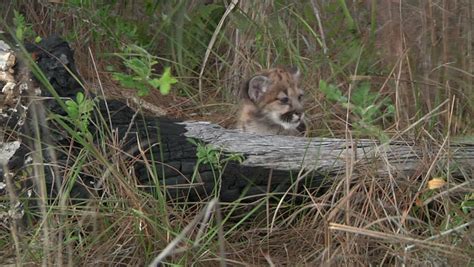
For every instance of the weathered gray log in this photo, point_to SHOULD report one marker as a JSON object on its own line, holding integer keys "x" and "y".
{"x": 327, "y": 155}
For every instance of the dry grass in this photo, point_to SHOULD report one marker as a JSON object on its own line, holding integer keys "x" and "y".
{"x": 419, "y": 54}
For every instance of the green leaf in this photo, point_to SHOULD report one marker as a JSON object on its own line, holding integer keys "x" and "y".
{"x": 19, "y": 22}
{"x": 166, "y": 81}
{"x": 360, "y": 96}
{"x": 70, "y": 103}
{"x": 363, "y": 97}
{"x": 165, "y": 89}
{"x": 331, "y": 92}
{"x": 468, "y": 203}
{"x": 391, "y": 109}
{"x": 22, "y": 29}
{"x": 142, "y": 89}
{"x": 19, "y": 33}
{"x": 139, "y": 67}
{"x": 155, "y": 83}
{"x": 80, "y": 98}
{"x": 38, "y": 39}
{"x": 124, "y": 79}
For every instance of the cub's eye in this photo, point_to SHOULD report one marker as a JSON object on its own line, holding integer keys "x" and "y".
{"x": 300, "y": 97}
{"x": 284, "y": 100}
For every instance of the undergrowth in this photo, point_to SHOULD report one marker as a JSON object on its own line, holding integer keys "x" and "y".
{"x": 377, "y": 70}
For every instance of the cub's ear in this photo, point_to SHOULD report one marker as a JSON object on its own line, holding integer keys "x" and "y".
{"x": 295, "y": 72}
{"x": 258, "y": 85}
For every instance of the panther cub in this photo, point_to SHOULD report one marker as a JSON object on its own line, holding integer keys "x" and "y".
{"x": 271, "y": 103}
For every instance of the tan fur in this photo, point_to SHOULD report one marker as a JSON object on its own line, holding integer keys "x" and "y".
{"x": 271, "y": 103}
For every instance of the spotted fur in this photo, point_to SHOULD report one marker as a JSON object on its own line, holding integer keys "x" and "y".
{"x": 271, "y": 103}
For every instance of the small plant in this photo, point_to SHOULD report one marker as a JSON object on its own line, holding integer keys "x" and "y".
{"x": 468, "y": 203}
{"x": 142, "y": 78}
{"x": 206, "y": 154}
{"x": 79, "y": 115}
{"x": 216, "y": 159}
{"x": 368, "y": 107}
{"x": 23, "y": 30}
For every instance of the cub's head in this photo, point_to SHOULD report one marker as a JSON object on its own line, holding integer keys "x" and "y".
{"x": 276, "y": 96}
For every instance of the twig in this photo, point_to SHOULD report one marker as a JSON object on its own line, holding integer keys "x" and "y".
{"x": 397, "y": 238}
{"x": 170, "y": 247}
{"x": 100, "y": 87}
{"x": 320, "y": 26}
{"x": 213, "y": 40}
{"x": 457, "y": 228}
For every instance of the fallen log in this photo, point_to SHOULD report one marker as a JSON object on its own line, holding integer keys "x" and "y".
{"x": 222, "y": 162}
